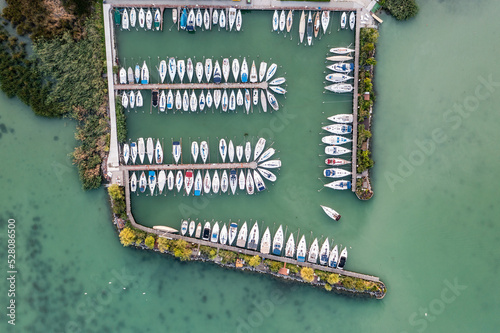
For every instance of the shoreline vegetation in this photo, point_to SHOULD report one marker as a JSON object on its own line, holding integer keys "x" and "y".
{"x": 400, "y": 9}
{"x": 366, "y": 99}
{"x": 68, "y": 44}
{"x": 185, "y": 251}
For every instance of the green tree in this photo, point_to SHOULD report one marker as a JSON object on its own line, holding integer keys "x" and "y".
{"x": 328, "y": 287}
{"x": 307, "y": 274}
{"x": 117, "y": 194}
{"x": 359, "y": 285}
{"x": 348, "y": 282}
{"x": 371, "y": 61}
{"x": 227, "y": 256}
{"x": 364, "y": 161}
{"x": 254, "y": 261}
{"x": 127, "y": 236}
{"x": 274, "y": 266}
{"x": 400, "y": 9}
{"x": 150, "y": 242}
{"x": 333, "y": 278}
{"x": 163, "y": 244}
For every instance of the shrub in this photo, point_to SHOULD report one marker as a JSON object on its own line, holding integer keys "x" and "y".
{"x": 274, "y": 266}
{"x": 333, "y": 278}
{"x": 127, "y": 237}
{"x": 348, "y": 282}
{"x": 227, "y": 256}
{"x": 328, "y": 287}
{"x": 307, "y": 274}
{"x": 150, "y": 242}
{"x": 292, "y": 268}
{"x": 254, "y": 261}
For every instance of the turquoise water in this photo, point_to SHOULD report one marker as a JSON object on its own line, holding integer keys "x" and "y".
{"x": 429, "y": 229}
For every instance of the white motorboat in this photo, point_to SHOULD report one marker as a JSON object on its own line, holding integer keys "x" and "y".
{"x": 262, "y": 70}
{"x": 133, "y": 182}
{"x": 271, "y": 164}
{"x": 272, "y": 101}
{"x": 239, "y": 98}
{"x": 225, "y": 69}
{"x": 158, "y": 152}
{"x": 275, "y": 20}
{"x": 192, "y": 227}
{"x": 199, "y": 18}
{"x": 189, "y": 69}
{"x": 338, "y": 77}
{"x": 253, "y": 73}
{"x": 265, "y": 243}
{"x": 139, "y": 102}
{"x": 253, "y": 238}
{"x": 201, "y": 101}
{"x": 204, "y": 151}
{"x": 340, "y": 88}
{"x": 217, "y": 98}
{"x": 230, "y": 151}
{"x": 325, "y": 20}
{"x": 331, "y": 213}
{"x": 131, "y": 99}
{"x": 336, "y": 161}
{"x": 241, "y": 241}
{"x": 313, "y": 252}
{"x": 333, "y": 259}
{"x": 198, "y": 184}
{"x": 341, "y": 50}
{"x": 224, "y": 182}
{"x": 215, "y": 17}
{"x": 172, "y": 69}
{"x": 141, "y": 149}
{"x": 259, "y": 182}
{"x": 236, "y": 69}
{"x": 170, "y": 180}
{"x": 282, "y": 21}
{"x": 152, "y": 181}
{"x": 125, "y": 21}
{"x": 302, "y": 249}
{"x": 259, "y": 148}
{"x": 217, "y": 72}
{"x": 238, "y": 20}
{"x": 142, "y": 182}
{"x": 342, "y": 258}
{"x": 263, "y": 100}
{"x": 149, "y": 19}
{"x": 271, "y": 71}
{"x": 142, "y": 18}
{"x": 176, "y": 151}
{"x": 208, "y": 99}
{"x": 206, "y": 235}
{"x": 181, "y": 69}
{"x": 232, "y": 101}
{"x": 310, "y": 27}
{"x": 215, "y": 182}
{"x": 162, "y": 180}
{"x": 302, "y": 26}
{"x": 249, "y": 184}
{"x": 343, "y": 118}
{"x": 150, "y": 150}
{"x": 239, "y": 153}
{"x": 290, "y": 247}
{"x": 184, "y": 227}
{"x": 289, "y": 21}
{"x": 233, "y": 181}
{"x": 188, "y": 181}
{"x": 170, "y": 100}
{"x": 248, "y": 151}
{"x": 336, "y": 150}
{"x": 223, "y": 235}
{"x": 222, "y": 19}
{"x": 199, "y": 71}
{"x": 179, "y": 180}
{"x": 352, "y": 20}
{"x": 185, "y": 101}
{"x": 207, "y": 182}
{"x": 233, "y": 232}
{"x": 241, "y": 180}
{"x": 206, "y": 19}
{"x": 193, "y": 102}
{"x": 324, "y": 252}
{"x": 194, "y": 150}
{"x": 277, "y": 241}
{"x": 339, "y": 185}
{"x": 208, "y": 69}
{"x": 343, "y": 20}
{"x": 163, "y": 101}
{"x": 223, "y": 149}
{"x": 278, "y": 90}
{"x": 277, "y": 81}
{"x": 338, "y": 129}
{"x": 266, "y": 155}
{"x": 231, "y": 17}
{"x": 126, "y": 152}
{"x": 248, "y": 102}
{"x": 123, "y": 76}
{"x": 133, "y": 152}
{"x": 178, "y": 100}
{"x": 339, "y": 58}
{"x": 224, "y": 101}
{"x": 133, "y": 17}
{"x": 267, "y": 174}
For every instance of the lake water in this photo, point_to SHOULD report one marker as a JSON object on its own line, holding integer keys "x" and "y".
{"x": 428, "y": 232}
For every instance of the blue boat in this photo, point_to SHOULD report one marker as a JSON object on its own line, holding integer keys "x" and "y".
{"x": 184, "y": 18}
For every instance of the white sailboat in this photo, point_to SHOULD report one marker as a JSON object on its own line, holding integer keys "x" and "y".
{"x": 193, "y": 102}
{"x": 271, "y": 71}
{"x": 343, "y": 20}
{"x": 181, "y": 69}
{"x": 253, "y": 238}
{"x": 230, "y": 151}
{"x": 336, "y": 150}
{"x": 192, "y": 227}
{"x": 223, "y": 149}
{"x": 172, "y": 68}
{"x": 263, "y": 100}
{"x": 215, "y": 233}
{"x": 133, "y": 17}
{"x": 325, "y": 20}
{"x": 195, "y": 150}
{"x": 259, "y": 182}
{"x": 225, "y": 69}
{"x": 188, "y": 181}
{"x": 248, "y": 151}
{"x": 126, "y": 152}
{"x": 342, "y": 259}
{"x": 339, "y": 185}
{"x": 223, "y": 235}
{"x": 265, "y": 244}
{"x": 236, "y": 69}
{"x": 267, "y": 174}
{"x": 333, "y": 259}
{"x": 133, "y": 182}
{"x": 162, "y": 180}
{"x": 198, "y": 184}
{"x": 302, "y": 249}
{"x": 158, "y": 152}
{"x": 313, "y": 252}
{"x": 142, "y": 18}
{"x": 233, "y": 229}
{"x": 141, "y": 149}
{"x": 224, "y": 182}
{"x": 343, "y": 118}
{"x": 179, "y": 180}
{"x": 170, "y": 180}
{"x": 204, "y": 151}
{"x": 178, "y": 100}
{"x": 138, "y": 99}
{"x": 275, "y": 20}
{"x": 199, "y": 71}
{"x": 231, "y": 17}
{"x": 176, "y": 151}
{"x": 278, "y": 241}
{"x": 253, "y": 73}
{"x": 170, "y": 100}
{"x": 241, "y": 180}
{"x": 215, "y": 183}
{"x": 259, "y": 147}
{"x": 290, "y": 247}
{"x": 150, "y": 151}
{"x": 302, "y": 26}
{"x": 249, "y": 184}
{"x": 242, "y": 236}
{"x": 324, "y": 252}
{"x": 207, "y": 182}
{"x": 331, "y": 213}
{"x": 239, "y": 153}
{"x": 262, "y": 70}
{"x": 208, "y": 69}
{"x": 189, "y": 69}
{"x": 133, "y": 152}
{"x": 217, "y": 98}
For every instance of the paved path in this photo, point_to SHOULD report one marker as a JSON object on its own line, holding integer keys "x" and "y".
{"x": 355, "y": 108}
{"x": 197, "y": 166}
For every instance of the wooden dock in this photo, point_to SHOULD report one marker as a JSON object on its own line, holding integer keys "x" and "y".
{"x": 191, "y": 86}
{"x": 233, "y": 248}
{"x": 355, "y": 106}
{"x": 197, "y": 166}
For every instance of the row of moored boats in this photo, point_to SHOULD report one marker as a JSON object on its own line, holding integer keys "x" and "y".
{"x": 251, "y": 240}
{"x": 340, "y": 70}
{"x": 226, "y": 18}
{"x": 132, "y": 18}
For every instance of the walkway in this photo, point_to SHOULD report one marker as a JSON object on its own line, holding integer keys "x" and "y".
{"x": 198, "y": 166}
{"x": 157, "y": 86}
{"x": 355, "y": 108}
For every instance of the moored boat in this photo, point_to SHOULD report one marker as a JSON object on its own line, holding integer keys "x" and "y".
{"x": 341, "y": 67}
{"x": 230, "y": 151}
{"x": 191, "y": 21}
{"x": 233, "y": 232}
{"x": 133, "y": 151}
{"x": 241, "y": 180}
{"x": 338, "y": 77}
{"x": 333, "y": 259}
{"x": 233, "y": 181}
{"x": 282, "y": 22}
{"x": 222, "y": 19}
{"x": 162, "y": 70}
{"x": 149, "y": 19}
{"x": 199, "y": 18}
{"x": 183, "y": 20}
{"x": 343, "y": 118}
{"x": 317, "y": 24}
{"x": 302, "y": 26}
{"x": 163, "y": 101}
{"x": 223, "y": 149}
{"x": 165, "y": 229}
{"x": 123, "y": 76}
{"x": 272, "y": 100}
{"x": 236, "y": 69}
{"x": 336, "y": 150}
{"x": 126, "y": 152}
{"x": 207, "y": 182}
{"x": 309, "y": 29}
{"x": 133, "y": 17}
{"x": 179, "y": 180}
{"x": 266, "y": 155}
{"x": 265, "y": 244}
{"x": 275, "y": 20}
{"x": 215, "y": 17}
{"x": 199, "y": 71}
{"x": 238, "y": 20}
{"x": 271, "y": 71}
{"x": 290, "y": 247}
{"x": 262, "y": 70}
{"x": 152, "y": 181}
{"x": 194, "y": 150}
{"x": 313, "y": 252}
{"x": 249, "y": 184}
{"x": 175, "y": 15}
{"x": 255, "y": 96}
{"x": 239, "y": 98}
{"x": 137, "y": 73}
{"x": 339, "y": 185}
{"x": 189, "y": 69}
{"x": 339, "y": 57}
{"x": 325, "y": 20}
{"x": 141, "y": 149}
{"x": 198, "y": 184}
{"x": 253, "y": 238}
{"x": 172, "y": 68}
{"x": 217, "y": 98}
{"x": 343, "y": 20}
{"x": 259, "y": 183}
{"x": 170, "y": 180}
{"x": 248, "y": 151}
{"x": 232, "y": 101}
{"x": 181, "y": 69}
{"x": 150, "y": 151}
{"x": 206, "y": 231}
{"x": 340, "y": 88}
{"x": 198, "y": 231}
{"x": 263, "y": 100}
{"x": 138, "y": 99}
{"x": 239, "y": 153}
{"x": 142, "y": 182}
{"x": 193, "y": 102}
{"x": 225, "y": 69}
{"x": 215, "y": 182}
{"x": 271, "y": 164}
{"x": 214, "y": 238}
{"x": 278, "y": 241}
{"x": 231, "y": 17}
{"x": 124, "y": 100}
{"x": 142, "y": 18}
{"x": 144, "y": 74}
{"x": 289, "y": 21}
{"x": 253, "y": 73}
{"x": 217, "y": 74}
{"x": 204, "y": 151}
{"x": 324, "y": 252}
{"x": 188, "y": 181}
{"x": 336, "y": 161}
{"x": 341, "y": 50}
{"x": 278, "y": 90}
{"x": 302, "y": 249}
{"x": 125, "y": 21}
{"x": 242, "y": 236}
{"x": 259, "y": 148}
{"x": 208, "y": 69}
{"x": 338, "y": 129}
{"x": 162, "y": 180}
{"x": 185, "y": 101}
{"x": 332, "y": 213}
{"x": 352, "y": 20}
{"x": 157, "y": 19}
{"x": 206, "y": 19}
{"x": 248, "y": 103}
{"x": 170, "y": 100}
{"x": 223, "y": 235}
{"x": 277, "y": 81}
{"x": 133, "y": 182}
{"x": 224, "y": 182}
{"x": 158, "y": 152}
{"x": 201, "y": 101}
{"x": 176, "y": 151}
{"x": 192, "y": 227}
{"x": 342, "y": 259}
{"x": 267, "y": 174}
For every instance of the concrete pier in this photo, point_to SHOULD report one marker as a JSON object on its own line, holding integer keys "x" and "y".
{"x": 355, "y": 106}
{"x": 197, "y": 166}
